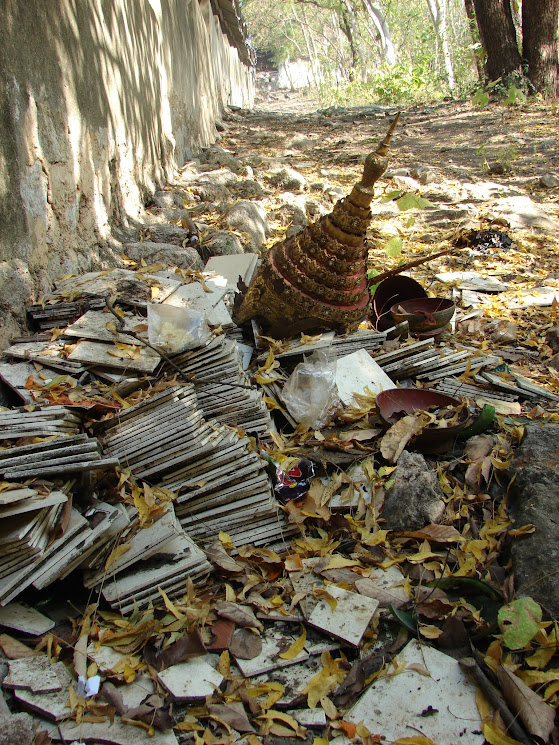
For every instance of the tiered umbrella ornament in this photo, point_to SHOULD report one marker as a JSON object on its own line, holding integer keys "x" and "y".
{"x": 317, "y": 280}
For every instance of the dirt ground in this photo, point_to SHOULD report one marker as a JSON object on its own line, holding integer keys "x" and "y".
{"x": 481, "y": 168}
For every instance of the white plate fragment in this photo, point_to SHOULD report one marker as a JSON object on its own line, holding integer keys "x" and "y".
{"x": 395, "y": 706}
{"x": 25, "y": 619}
{"x": 349, "y": 620}
{"x": 190, "y": 680}
{"x": 358, "y": 371}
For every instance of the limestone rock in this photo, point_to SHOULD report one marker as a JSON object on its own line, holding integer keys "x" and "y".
{"x": 221, "y": 176}
{"x": 167, "y": 234}
{"x": 17, "y": 729}
{"x": 549, "y": 181}
{"x": 209, "y": 192}
{"x": 249, "y": 217}
{"x": 554, "y": 362}
{"x": 223, "y": 243}
{"x": 168, "y": 199}
{"x": 533, "y": 499}
{"x": 249, "y": 189}
{"x": 415, "y": 498}
{"x": 162, "y": 216}
{"x": 217, "y": 156}
{"x": 524, "y": 213}
{"x": 164, "y": 253}
{"x": 288, "y": 179}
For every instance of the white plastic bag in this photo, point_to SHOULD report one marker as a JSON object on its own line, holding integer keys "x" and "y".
{"x": 172, "y": 329}
{"x": 310, "y": 393}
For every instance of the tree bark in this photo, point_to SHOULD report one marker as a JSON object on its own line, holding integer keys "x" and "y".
{"x": 498, "y": 37}
{"x": 437, "y": 9}
{"x": 539, "y": 44}
{"x": 377, "y": 17}
{"x": 346, "y": 30}
{"x": 471, "y": 16}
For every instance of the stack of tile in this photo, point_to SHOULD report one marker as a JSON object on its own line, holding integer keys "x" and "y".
{"x": 215, "y": 364}
{"x": 158, "y": 556}
{"x": 422, "y": 361}
{"x": 46, "y": 421}
{"x": 56, "y": 315}
{"x": 43, "y": 538}
{"x": 221, "y": 484}
{"x": 56, "y": 457}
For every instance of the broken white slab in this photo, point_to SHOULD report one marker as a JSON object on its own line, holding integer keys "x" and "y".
{"x": 95, "y": 325}
{"x": 106, "y": 658}
{"x": 273, "y": 642}
{"x": 117, "y": 733}
{"x": 350, "y": 618}
{"x": 294, "y": 679}
{"x": 392, "y": 705}
{"x": 123, "y": 281}
{"x": 539, "y": 390}
{"x": 190, "y": 680}
{"x": 36, "y": 674}
{"x": 357, "y": 372}
{"x": 16, "y": 376}
{"x": 540, "y": 297}
{"x": 97, "y": 353}
{"x": 309, "y": 717}
{"x": 472, "y": 281}
{"x": 232, "y": 267}
{"x": 384, "y": 585}
{"x": 51, "y": 705}
{"x": 25, "y": 619}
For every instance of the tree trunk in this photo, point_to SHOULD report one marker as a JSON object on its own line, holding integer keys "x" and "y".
{"x": 498, "y": 37}
{"x": 377, "y": 17}
{"x": 471, "y": 15}
{"x": 346, "y": 30}
{"x": 539, "y": 44}
{"x": 346, "y": 4}
{"x": 437, "y": 9}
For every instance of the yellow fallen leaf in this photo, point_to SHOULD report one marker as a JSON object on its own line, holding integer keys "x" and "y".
{"x": 339, "y": 562}
{"x": 170, "y": 605}
{"x": 430, "y": 632}
{"x": 116, "y": 553}
{"x": 295, "y": 648}
{"x": 495, "y": 736}
{"x": 415, "y": 740}
{"x": 225, "y": 540}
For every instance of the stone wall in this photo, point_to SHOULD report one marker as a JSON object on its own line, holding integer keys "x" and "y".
{"x": 100, "y": 100}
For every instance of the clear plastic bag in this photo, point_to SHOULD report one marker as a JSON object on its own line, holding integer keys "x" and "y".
{"x": 173, "y": 329}
{"x": 310, "y": 393}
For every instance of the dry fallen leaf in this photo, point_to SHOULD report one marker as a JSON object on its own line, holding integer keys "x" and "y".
{"x": 537, "y": 716}
{"x": 398, "y": 436}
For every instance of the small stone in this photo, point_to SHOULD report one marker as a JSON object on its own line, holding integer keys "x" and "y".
{"x": 17, "y": 729}
{"x": 293, "y": 230}
{"x": 221, "y": 176}
{"x": 554, "y": 362}
{"x": 162, "y": 216}
{"x": 549, "y": 181}
{"x": 216, "y": 155}
{"x": 166, "y": 234}
{"x": 168, "y": 199}
{"x": 415, "y": 498}
{"x": 208, "y": 192}
{"x": 288, "y": 179}
{"x": 164, "y": 253}
{"x": 249, "y": 189}
{"x": 223, "y": 243}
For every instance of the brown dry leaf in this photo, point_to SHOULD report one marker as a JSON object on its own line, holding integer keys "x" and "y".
{"x": 434, "y": 532}
{"x": 293, "y": 563}
{"x": 188, "y": 646}
{"x": 239, "y": 614}
{"x": 245, "y": 644}
{"x": 14, "y": 649}
{"x": 398, "y": 436}
{"x": 537, "y": 716}
{"x": 233, "y": 714}
{"x": 116, "y": 553}
{"x": 217, "y": 554}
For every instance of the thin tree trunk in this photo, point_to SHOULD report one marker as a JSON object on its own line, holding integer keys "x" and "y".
{"x": 471, "y": 16}
{"x": 346, "y": 30}
{"x": 378, "y": 18}
{"x": 539, "y": 44}
{"x": 437, "y": 8}
{"x": 498, "y": 37}
{"x": 355, "y": 33}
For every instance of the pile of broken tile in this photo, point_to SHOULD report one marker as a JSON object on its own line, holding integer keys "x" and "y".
{"x": 215, "y": 610}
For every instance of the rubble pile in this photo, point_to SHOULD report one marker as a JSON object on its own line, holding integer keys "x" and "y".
{"x": 189, "y": 557}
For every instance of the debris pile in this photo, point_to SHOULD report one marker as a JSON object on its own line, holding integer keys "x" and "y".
{"x": 218, "y": 571}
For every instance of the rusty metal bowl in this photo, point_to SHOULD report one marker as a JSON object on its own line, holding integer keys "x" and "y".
{"x": 397, "y": 402}
{"x": 390, "y": 291}
{"x": 424, "y": 314}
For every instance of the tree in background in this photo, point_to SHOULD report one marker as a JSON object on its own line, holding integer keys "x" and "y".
{"x": 498, "y": 36}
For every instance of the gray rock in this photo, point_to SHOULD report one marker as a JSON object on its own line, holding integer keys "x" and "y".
{"x": 415, "y": 498}
{"x": 549, "y": 181}
{"x": 216, "y": 155}
{"x": 162, "y": 216}
{"x": 288, "y": 179}
{"x": 169, "y": 199}
{"x": 164, "y": 253}
{"x": 208, "y": 192}
{"x": 249, "y": 189}
{"x": 523, "y": 213}
{"x": 166, "y": 234}
{"x": 333, "y": 193}
{"x": 17, "y": 729}
{"x": 445, "y": 218}
{"x": 552, "y": 338}
{"x": 251, "y": 218}
{"x": 293, "y": 230}
{"x": 554, "y": 362}
{"x": 405, "y": 183}
{"x": 398, "y": 172}
{"x": 222, "y": 243}
{"x": 221, "y": 176}
{"x": 534, "y": 499}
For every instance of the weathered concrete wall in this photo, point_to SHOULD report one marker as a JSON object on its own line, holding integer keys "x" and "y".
{"x": 100, "y": 100}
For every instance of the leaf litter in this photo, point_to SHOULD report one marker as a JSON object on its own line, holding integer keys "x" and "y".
{"x": 444, "y": 585}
